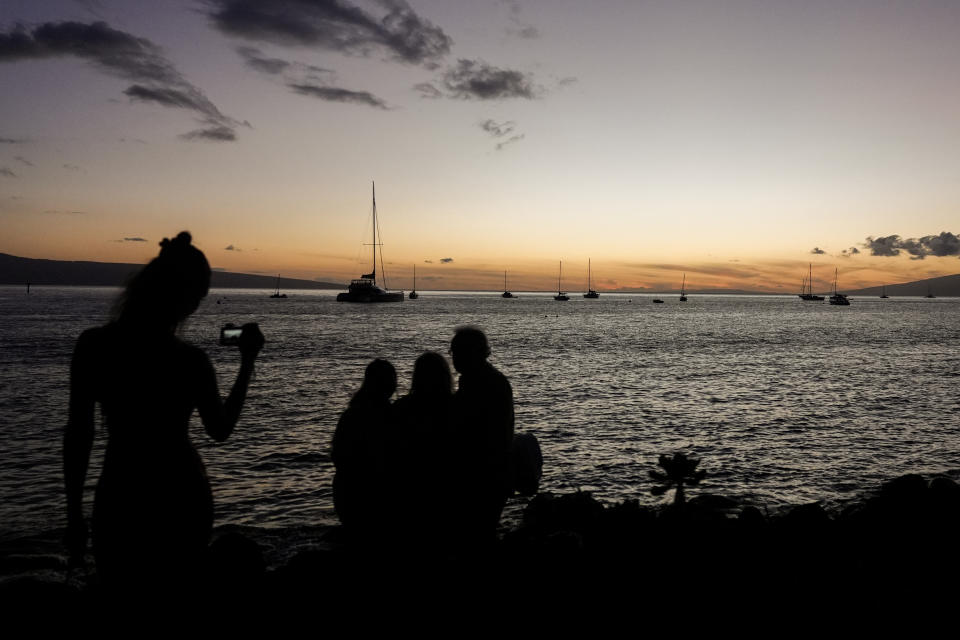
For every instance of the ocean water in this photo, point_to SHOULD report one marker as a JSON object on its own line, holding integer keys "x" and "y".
{"x": 785, "y": 401}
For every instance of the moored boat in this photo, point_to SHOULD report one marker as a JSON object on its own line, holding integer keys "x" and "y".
{"x": 364, "y": 288}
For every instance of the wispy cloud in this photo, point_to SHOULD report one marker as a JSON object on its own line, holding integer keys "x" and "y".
{"x": 230, "y": 247}
{"x": 119, "y": 54}
{"x": 57, "y": 212}
{"x": 7, "y": 172}
{"x": 498, "y": 129}
{"x": 258, "y": 62}
{"x": 942, "y": 245}
{"x": 510, "y": 140}
{"x": 308, "y": 80}
{"x": 817, "y": 251}
{"x": 337, "y": 94}
{"x": 446, "y": 260}
{"x": 847, "y": 253}
{"x": 213, "y": 134}
{"x": 336, "y": 25}
{"x": 135, "y": 239}
{"x": 427, "y": 90}
{"x": 12, "y": 140}
{"x": 478, "y": 80}
{"x": 71, "y": 167}
{"x": 519, "y": 27}
{"x": 23, "y": 160}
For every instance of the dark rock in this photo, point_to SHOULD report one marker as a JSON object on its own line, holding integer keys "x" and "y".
{"x": 751, "y": 517}
{"x": 712, "y": 502}
{"x": 807, "y": 516}
{"x": 908, "y": 488}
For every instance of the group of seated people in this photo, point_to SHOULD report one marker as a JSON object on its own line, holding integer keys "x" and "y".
{"x": 432, "y": 468}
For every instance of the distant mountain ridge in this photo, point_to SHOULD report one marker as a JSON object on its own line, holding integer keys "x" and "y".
{"x": 943, "y": 286}
{"x": 17, "y": 270}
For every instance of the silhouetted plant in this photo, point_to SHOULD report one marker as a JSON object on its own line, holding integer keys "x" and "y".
{"x": 678, "y": 471}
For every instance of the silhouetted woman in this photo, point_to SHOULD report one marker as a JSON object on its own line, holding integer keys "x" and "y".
{"x": 423, "y": 463}
{"x": 359, "y": 452}
{"x": 153, "y": 509}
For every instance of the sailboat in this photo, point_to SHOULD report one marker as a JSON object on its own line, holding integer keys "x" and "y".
{"x": 806, "y": 289}
{"x": 277, "y": 294}
{"x": 506, "y": 292}
{"x": 413, "y": 294}
{"x": 929, "y": 292}
{"x": 883, "y": 293}
{"x": 561, "y": 295}
{"x": 364, "y": 288}
{"x": 837, "y": 298}
{"x": 590, "y": 292}
{"x": 683, "y": 289}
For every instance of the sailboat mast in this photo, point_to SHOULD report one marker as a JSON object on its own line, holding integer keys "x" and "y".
{"x": 559, "y": 276}
{"x": 374, "y": 192}
{"x": 504, "y": 279}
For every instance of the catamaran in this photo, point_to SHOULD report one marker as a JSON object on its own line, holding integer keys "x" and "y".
{"x": 364, "y": 288}
{"x": 838, "y": 298}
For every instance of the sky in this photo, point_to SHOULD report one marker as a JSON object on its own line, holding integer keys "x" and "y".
{"x": 731, "y": 141}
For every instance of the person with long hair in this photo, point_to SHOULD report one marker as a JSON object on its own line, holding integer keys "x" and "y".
{"x": 425, "y": 461}
{"x": 359, "y": 452}
{"x": 153, "y": 507}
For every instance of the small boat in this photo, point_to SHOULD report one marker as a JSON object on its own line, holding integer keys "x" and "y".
{"x": 364, "y": 288}
{"x": 683, "y": 289}
{"x": 657, "y": 301}
{"x": 883, "y": 293}
{"x": 413, "y": 294}
{"x": 929, "y": 292}
{"x": 806, "y": 289}
{"x": 277, "y": 294}
{"x": 838, "y": 298}
{"x": 506, "y": 292}
{"x": 590, "y": 292}
{"x": 561, "y": 295}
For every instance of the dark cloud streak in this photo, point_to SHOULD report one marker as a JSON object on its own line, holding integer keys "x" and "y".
{"x": 118, "y": 54}
{"x": 337, "y": 25}
{"x": 336, "y": 94}
{"x": 477, "y": 80}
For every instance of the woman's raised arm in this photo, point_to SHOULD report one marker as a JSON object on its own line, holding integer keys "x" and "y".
{"x": 219, "y": 418}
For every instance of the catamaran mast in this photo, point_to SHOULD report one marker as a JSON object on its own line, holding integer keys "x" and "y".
{"x": 374, "y": 272}
{"x": 559, "y": 275}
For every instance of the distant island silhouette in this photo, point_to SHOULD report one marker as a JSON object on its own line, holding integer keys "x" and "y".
{"x": 15, "y": 270}
{"x": 19, "y": 271}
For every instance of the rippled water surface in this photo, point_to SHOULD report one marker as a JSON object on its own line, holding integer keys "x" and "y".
{"x": 785, "y": 401}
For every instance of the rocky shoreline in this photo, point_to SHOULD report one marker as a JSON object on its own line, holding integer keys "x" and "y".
{"x": 907, "y": 530}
